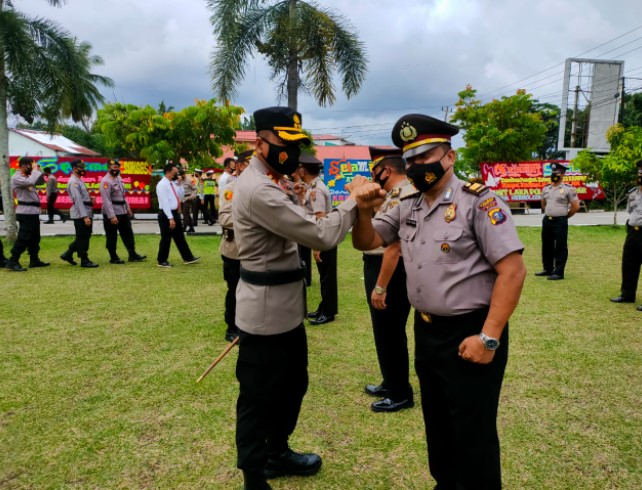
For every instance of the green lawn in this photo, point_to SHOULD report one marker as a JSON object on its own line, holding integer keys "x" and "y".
{"x": 99, "y": 368}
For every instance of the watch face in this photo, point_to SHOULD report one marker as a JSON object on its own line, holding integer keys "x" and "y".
{"x": 379, "y": 290}
{"x": 491, "y": 344}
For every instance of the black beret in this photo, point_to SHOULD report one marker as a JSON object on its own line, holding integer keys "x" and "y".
{"x": 77, "y": 163}
{"x": 416, "y": 133}
{"x": 558, "y": 167}
{"x": 378, "y": 154}
{"x": 282, "y": 121}
{"x": 244, "y": 156}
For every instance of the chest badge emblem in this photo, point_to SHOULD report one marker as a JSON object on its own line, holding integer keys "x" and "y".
{"x": 450, "y": 213}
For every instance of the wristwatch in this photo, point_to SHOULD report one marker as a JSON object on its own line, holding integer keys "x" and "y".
{"x": 379, "y": 290}
{"x": 489, "y": 342}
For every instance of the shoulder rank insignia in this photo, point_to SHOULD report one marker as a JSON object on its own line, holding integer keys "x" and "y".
{"x": 449, "y": 194}
{"x": 475, "y": 188}
{"x": 228, "y": 195}
{"x": 409, "y": 195}
{"x": 450, "y": 213}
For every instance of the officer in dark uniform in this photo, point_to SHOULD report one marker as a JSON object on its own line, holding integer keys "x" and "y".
{"x": 632, "y": 252}
{"x": 465, "y": 274}
{"x": 385, "y": 282}
{"x": 559, "y": 203}
{"x": 273, "y": 353}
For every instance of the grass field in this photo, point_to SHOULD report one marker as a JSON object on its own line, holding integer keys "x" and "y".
{"x": 98, "y": 370}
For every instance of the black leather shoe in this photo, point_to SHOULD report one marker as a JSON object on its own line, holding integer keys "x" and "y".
{"x": 387, "y": 405}
{"x": 639, "y": 308}
{"x": 88, "y": 263}
{"x": 193, "y": 260}
{"x": 38, "y": 263}
{"x": 164, "y": 264}
{"x": 544, "y": 273}
{"x": 67, "y": 257}
{"x": 321, "y": 319}
{"x": 137, "y": 258}
{"x": 117, "y": 260}
{"x": 379, "y": 391}
{"x": 255, "y": 480}
{"x": 555, "y": 277}
{"x": 230, "y": 336}
{"x": 292, "y": 463}
{"x": 14, "y": 266}
{"x": 622, "y": 299}
{"x": 313, "y": 314}
{"x": 49, "y": 222}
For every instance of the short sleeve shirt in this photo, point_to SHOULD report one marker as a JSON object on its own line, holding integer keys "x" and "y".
{"x": 558, "y": 199}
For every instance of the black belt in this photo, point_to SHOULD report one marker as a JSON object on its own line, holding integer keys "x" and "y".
{"x": 372, "y": 257}
{"x": 88, "y": 203}
{"x": 33, "y": 204}
{"x": 633, "y": 228}
{"x": 556, "y": 217}
{"x": 432, "y": 319}
{"x": 122, "y": 203}
{"x": 272, "y": 278}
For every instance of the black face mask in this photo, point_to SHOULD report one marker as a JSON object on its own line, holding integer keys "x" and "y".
{"x": 283, "y": 159}
{"x": 378, "y": 180}
{"x": 556, "y": 177}
{"x": 27, "y": 171}
{"x": 80, "y": 172}
{"x": 175, "y": 178}
{"x": 424, "y": 176}
{"x": 115, "y": 173}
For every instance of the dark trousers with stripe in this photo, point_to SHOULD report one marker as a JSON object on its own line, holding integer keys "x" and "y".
{"x": 459, "y": 401}
{"x": 328, "y": 278}
{"x": 555, "y": 244}
{"x": 83, "y": 234}
{"x": 232, "y": 275}
{"x": 28, "y": 237}
{"x": 389, "y": 327}
{"x": 272, "y": 371}
{"x": 167, "y": 235}
{"x": 631, "y": 261}
{"x": 124, "y": 227}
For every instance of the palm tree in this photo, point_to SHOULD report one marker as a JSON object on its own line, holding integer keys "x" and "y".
{"x": 303, "y": 43}
{"x": 44, "y": 73}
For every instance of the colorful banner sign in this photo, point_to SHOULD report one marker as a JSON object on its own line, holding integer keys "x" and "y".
{"x": 136, "y": 176}
{"x": 523, "y": 181}
{"x": 338, "y": 172}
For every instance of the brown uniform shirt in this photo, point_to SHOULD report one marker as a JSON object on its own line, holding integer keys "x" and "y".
{"x": 82, "y": 206}
{"x": 267, "y": 227}
{"x": 228, "y": 247}
{"x": 449, "y": 249}
{"x": 558, "y": 199}
{"x": 112, "y": 192}
{"x": 24, "y": 187}
{"x": 317, "y": 198}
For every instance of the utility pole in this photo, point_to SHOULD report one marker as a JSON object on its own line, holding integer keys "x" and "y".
{"x": 446, "y": 111}
{"x": 621, "y": 118}
{"x": 574, "y": 126}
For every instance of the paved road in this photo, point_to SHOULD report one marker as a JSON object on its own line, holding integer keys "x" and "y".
{"x": 146, "y": 224}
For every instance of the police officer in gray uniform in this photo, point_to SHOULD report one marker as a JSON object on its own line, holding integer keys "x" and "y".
{"x": 117, "y": 215}
{"x": 316, "y": 202}
{"x": 24, "y": 184}
{"x": 82, "y": 213}
{"x": 385, "y": 282}
{"x": 273, "y": 354}
{"x": 632, "y": 252}
{"x": 559, "y": 203}
{"x": 465, "y": 274}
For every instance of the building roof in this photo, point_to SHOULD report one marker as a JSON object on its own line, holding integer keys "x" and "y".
{"x": 55, "y": 142}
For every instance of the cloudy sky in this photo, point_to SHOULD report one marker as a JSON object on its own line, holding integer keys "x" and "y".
{"x": 421, "y": 53}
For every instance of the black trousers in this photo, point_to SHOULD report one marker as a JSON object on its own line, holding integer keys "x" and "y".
{"x": 83, "y": 233}
{"x": 459, "y": 403}
{"x": 28, "y": 237}
{"x": 305, "y": 255}
{"x": 389, "y": 327}
{"x": 188, "y": 210}
{"x": 555, "y": 244}
{"x": 328, "y": 277}
{"x": 124, "y": 227}
{"x": 168, "y": 235}
{"x": 197, "y": 208}
{"x": 51, "y": 210}
{"x": 209, "y": 209}
{"x": 231, "y": 274}
{"x": 272, "y": 371}
{"x": 631, "y": 261}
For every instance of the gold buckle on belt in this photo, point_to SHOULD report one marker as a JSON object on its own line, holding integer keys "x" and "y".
{"x": 426, "y": 317}
{"x": 549, "y": 217}
{"x": 636, "y": 228}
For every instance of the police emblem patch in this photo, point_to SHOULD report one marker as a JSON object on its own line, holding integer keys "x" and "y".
{"x": 106, "y": 185}
{"x": 488, "y": 203}
{"x": 430, "y": 178}
{"x": 445, "y": 248}
{"x": 227, "y": 195}
{"x": 496, "y": 216}
{"x": 283, "y": 156}
{"x": 450, "y": 213}
{"x": 407, "y": 132}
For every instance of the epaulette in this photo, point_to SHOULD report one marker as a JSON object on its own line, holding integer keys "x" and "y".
{"x": 415, "y": 193}
{"x": 475, "y": 188}
{"x": 407, "y": 190}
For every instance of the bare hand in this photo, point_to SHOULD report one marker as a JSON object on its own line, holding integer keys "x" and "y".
{"x": 472, "y": 349}
{"x": 369, "y": 196}
{"x": 130, "y": 213}
{"x": 172, "y": 224}
{"x": 356, "y": 182}
{"x": 114, "y": 220}
{"x": 93, "y": 200}
{"x": 317, "y": 256}
{"x": 87, "y": 220}
{"x": 378, "y": 301}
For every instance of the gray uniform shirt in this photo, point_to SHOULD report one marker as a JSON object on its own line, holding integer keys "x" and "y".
{"x": 558, "y": 199}
{"x": 24, "y": 187}
{"x": 402, "y": 190}
{"x": 227, "y": 248}
{"x": 82, "y": 205}
{"x": 268, "y": 226}
{"x": 189, "y": 187}
{"x": 634, "y": 206}
{"x": 112, "y": 191}
{"x": 449, "y": 249}
{"x": 52, "y": 185}
{"x": 317, "y": 198}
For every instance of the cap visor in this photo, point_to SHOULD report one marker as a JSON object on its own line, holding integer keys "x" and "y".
{"x": 418, "y": 150}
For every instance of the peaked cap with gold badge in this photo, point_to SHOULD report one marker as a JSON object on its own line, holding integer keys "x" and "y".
{"x": 244, "y": 156}
{"x": 416, "y": 134}
{"x": 558, "y": 167}
{"x": 378, "y": 154}
{"x": 309, "y": 160}
{"x": 282, "y": 121}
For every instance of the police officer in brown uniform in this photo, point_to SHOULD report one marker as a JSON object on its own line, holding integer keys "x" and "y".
{"x": 632, "y": 252}
{"x": 117, "y": 215}
{"x": 465, "y": 273}
{"x": 316, "y": 202}
{"x": 273, "y": 353}
{"x": 82, "y": 213}
{"x": 24, "y": 184}
{"x": 385, "y": 282}
{"x": 229, "y": 250}
{"x": 52, "y": 196}
{"x": 559, "y": 203}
